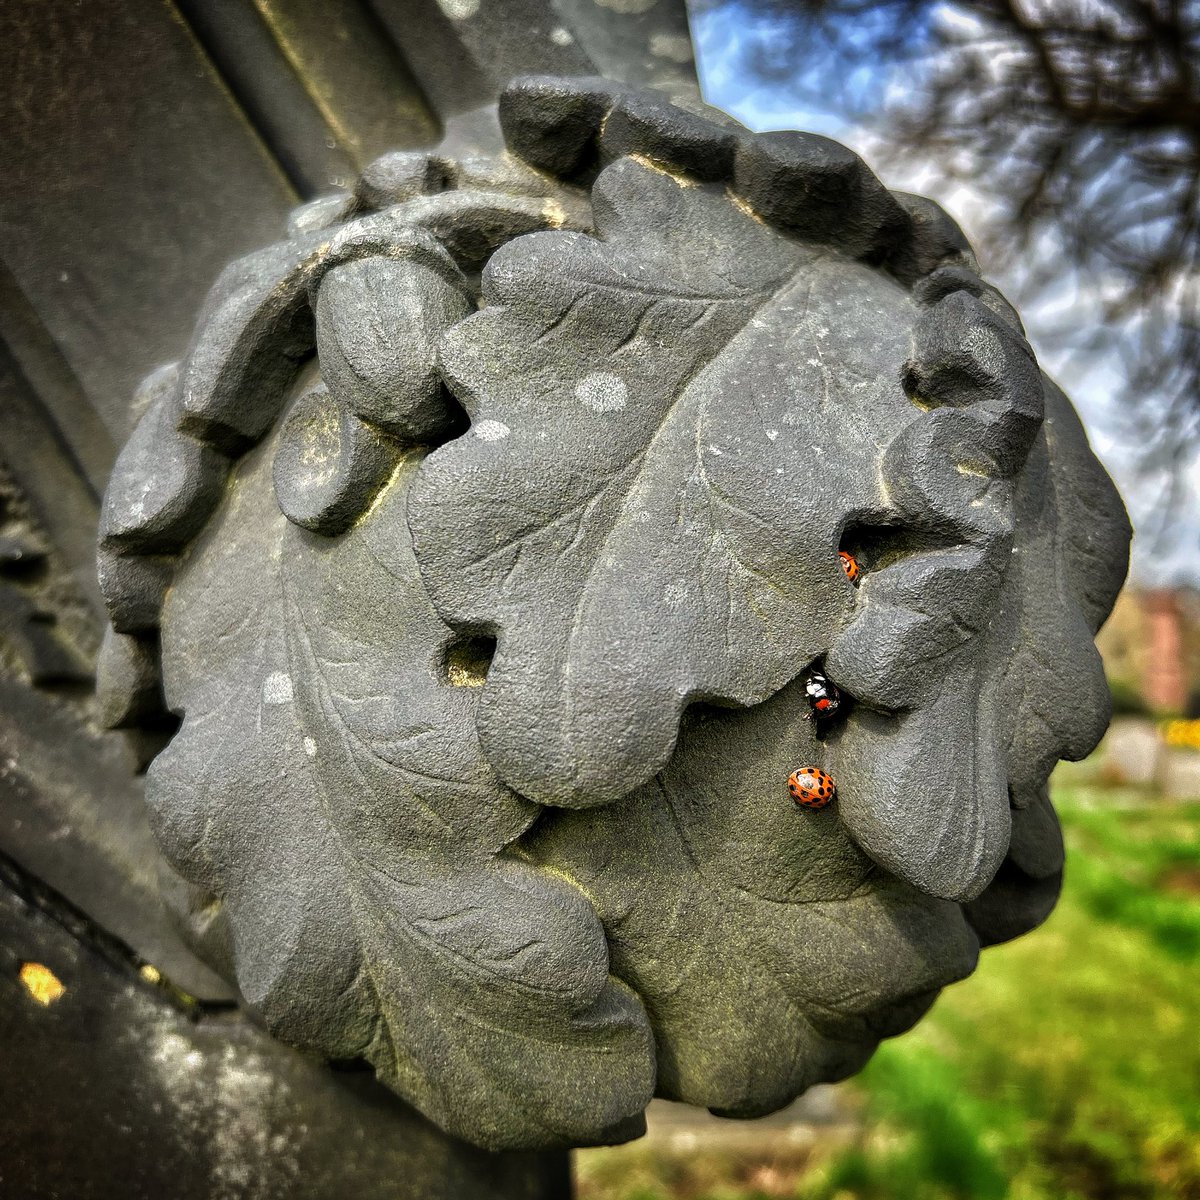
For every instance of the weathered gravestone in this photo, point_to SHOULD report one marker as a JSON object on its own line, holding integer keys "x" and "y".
{"x": 513, "y": 532}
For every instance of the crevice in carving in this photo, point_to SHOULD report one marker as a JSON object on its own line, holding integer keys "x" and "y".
{"x": 467, "y": 661}
{"x": 876, "y": 544}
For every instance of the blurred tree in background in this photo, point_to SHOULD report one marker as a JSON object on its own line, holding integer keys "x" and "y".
{"x": 1070, "y": 130}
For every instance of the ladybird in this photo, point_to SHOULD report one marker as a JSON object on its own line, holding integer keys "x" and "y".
{"x": 824, "y": 698}
{"x": 850, "y": 566}
{"x": 811, "y": 787}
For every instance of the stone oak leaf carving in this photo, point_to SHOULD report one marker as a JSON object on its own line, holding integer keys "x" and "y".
{"x": 325, "y": 756}
{"x": 667, "y": 457}
{"x": 615, "y": 401}
{"x": 648, "y": 509}
{"x": 770, "y": 952}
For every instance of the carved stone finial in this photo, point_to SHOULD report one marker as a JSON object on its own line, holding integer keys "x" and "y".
{"x": 497, "y": 527}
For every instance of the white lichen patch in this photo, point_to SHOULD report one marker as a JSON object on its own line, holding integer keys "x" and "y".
{"x": 602, "y": 392}
{"x": 459, "y": 10}
{"x": 277, "y": 688}
{"x": 310, "y": 747}
{"x": 175, "y": 1053}
{"x": 229, "y": 1094}
{"x": 491, "y": 431}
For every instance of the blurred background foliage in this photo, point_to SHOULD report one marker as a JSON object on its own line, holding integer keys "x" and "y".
{"x": 1064, "y": 135}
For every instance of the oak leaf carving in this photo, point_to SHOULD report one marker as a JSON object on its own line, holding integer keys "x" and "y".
{"x": 371, "y": 894}
{"x": 647, "y": 509}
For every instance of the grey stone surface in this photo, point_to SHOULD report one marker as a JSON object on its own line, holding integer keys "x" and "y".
{"x": 379, "y": 322}
{"x": 256, "y": 329}
{"x": 397, "y": 177}
{"x": 818, "y": 189}
{"x": 644, "y": 123}
{"x": 329, "y": 464}
{"x": 934, "y": 241}
{"x": 396, "y": 937}
{"x": 164, "y": 483}
{"x": 129, "y": 686}
{"x": 73, "y": 816}
{"x": 133, "y": 586}
{"x": 146, "y": 145}
{"x": 131, "y": 176}
{"x": 321, "y": 213}
{"x": 484, "y": 745}
{"x": 117, "y": 1089}
{"x": 552, "y": 122}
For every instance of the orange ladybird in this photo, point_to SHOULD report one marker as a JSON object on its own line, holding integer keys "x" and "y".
{"x": 850, "y": 566}
{"x": 811, "y": 787}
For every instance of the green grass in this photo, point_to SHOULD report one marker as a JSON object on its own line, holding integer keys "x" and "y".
{"x": 1066, "y": 1068}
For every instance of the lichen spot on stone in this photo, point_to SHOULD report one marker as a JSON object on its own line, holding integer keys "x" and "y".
{"x": 277, "y": 688}
{"x": 491, "y": 431}
{"x": 459, "y": 10}
{"x": 602, "y": 392}
{"x": 467, "y": 662}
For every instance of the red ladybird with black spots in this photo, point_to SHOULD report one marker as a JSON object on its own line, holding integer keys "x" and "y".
{"x": 811, "y": 787}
